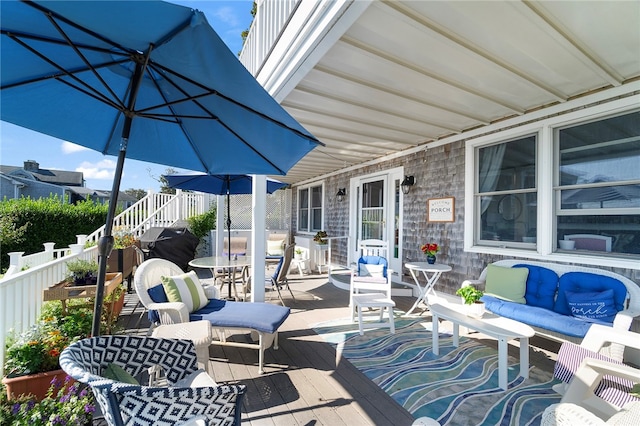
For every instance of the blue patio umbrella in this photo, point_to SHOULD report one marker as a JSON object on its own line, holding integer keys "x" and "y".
{"x": 146, "y": 80}
{"x": 221, "y": 185}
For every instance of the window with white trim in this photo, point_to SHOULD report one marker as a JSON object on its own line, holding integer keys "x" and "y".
{"x": 506, "y": 193}
{"x": 569, "y": 184}
{"x": 597, "y": 185}
{"x": 310, "y": 211}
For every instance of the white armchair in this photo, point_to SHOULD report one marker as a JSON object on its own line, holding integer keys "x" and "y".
{"x": 597, "y": 382}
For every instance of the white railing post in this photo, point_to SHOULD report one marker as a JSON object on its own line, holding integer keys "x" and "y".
{"x": 15, "y": 263}
{"x": 81, "y": 239}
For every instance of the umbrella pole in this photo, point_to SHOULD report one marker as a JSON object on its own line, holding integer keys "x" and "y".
{"x": 231, "y": 275}
{"x": 105, "y": 244}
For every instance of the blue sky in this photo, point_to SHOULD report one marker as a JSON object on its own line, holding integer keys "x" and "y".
{"x": 228, "y": 18}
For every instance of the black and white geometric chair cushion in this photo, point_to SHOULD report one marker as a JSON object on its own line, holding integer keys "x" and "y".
{"x": 125, "y": 404}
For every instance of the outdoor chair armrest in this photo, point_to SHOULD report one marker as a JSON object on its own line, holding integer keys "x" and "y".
{"x": 599, "y": 335}
{"x": 171, "y": 312}
{"x": 586, "y": 379}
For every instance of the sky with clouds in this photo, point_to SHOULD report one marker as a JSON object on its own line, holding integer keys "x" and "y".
{"x": 17, "y": 145}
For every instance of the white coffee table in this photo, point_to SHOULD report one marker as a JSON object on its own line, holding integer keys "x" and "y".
{"x": 502, "y": 329}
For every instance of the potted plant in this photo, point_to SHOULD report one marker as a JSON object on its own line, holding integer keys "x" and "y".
{"x": 471, "y": 297}
{"x": 321, "y": 238}
{"x": 32, "y": 359}
{"x": 83, "y": 272}
{"x": 66, "y": 402}
{"x": 123, "y": 256}
{"x": 299, "y": 254}
{"x": 32, "y": 356}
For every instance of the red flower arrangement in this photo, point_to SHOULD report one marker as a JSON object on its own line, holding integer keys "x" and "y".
{"x": 431, "y": 248}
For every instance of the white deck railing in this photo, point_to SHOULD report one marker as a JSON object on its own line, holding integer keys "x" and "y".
{"x": 21, "y": 290}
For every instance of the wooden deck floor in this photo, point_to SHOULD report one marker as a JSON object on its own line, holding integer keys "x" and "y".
{"x": 305, "y": 382}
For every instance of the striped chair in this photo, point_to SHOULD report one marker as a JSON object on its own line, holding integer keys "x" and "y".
{"x": 133, "y": 404}
{"x": 599, "y": 382}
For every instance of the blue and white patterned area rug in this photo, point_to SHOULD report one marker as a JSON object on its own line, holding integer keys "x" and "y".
{"x": 457, "y": 387}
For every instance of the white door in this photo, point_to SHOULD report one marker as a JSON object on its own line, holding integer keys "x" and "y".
{"x": 376, "y": 200}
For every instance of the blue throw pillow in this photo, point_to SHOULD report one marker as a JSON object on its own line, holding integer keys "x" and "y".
{"x": 372, "y": 261}
{"x": 587, "y": 282}
{"x": 157, "y": 294}
{"x": 598, "y": 306}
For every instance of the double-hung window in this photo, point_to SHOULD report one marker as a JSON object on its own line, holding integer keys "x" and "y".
{"x": 597, "y": 189}
{"x": 566, "y": 185}
{"x": 506, "y": 193}
{"x": 310, "y": 212}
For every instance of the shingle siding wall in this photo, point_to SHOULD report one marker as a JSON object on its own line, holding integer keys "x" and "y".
{"x": 439, "y": 172}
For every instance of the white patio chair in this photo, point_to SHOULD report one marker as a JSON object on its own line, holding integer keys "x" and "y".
{"x": 370, "y": 286}
{"x": 261, "y": 318}
{"x": 600, "y": 383}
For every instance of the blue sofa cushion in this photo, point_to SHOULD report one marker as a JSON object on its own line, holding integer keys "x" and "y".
{"x": 585, "y": 282}
{"x": 541, "y": 286}
{"x": 540, "y": 317}
{"x": 263, "y": 317}
{"x": 592, "y": 305}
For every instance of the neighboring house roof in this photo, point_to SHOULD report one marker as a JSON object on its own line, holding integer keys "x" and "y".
{"x": 17, "y": 179}
{"x": 43, "y": 181}
{"x": 56, "y": 177}
{"x": 102, "y": 195}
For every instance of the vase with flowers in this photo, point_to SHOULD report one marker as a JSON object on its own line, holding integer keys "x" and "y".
{"x": 430, "y": 250}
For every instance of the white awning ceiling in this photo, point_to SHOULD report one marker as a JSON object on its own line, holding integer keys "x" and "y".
{"x": 371, "y": 79}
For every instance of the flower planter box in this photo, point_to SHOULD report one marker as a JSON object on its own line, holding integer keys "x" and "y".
{"x": 35, "y": 384}
{"x": 122, "y": 260}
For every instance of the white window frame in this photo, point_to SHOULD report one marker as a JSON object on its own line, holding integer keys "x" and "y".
{"x": 309, "y": 230}
{"x": 546, "y": 166}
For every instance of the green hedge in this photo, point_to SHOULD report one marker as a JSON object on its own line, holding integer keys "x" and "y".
{"x": 26, "y": 224}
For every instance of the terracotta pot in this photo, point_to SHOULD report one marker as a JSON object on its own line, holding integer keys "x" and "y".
{"x": 117, "y": 306}
{"x": 35, "y": 384}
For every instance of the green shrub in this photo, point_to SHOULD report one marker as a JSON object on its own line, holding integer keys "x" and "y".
{"x": 25, "y": 224}
{"x": 201, "y": 224}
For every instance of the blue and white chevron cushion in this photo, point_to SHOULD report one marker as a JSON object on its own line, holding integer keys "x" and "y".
{"x": 185, "y": 288}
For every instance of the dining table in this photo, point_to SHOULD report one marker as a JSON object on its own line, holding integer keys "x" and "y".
{"x": 230, "y": 265}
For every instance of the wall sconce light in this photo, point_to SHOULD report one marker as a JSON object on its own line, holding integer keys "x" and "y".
{"x": 342, "y": 192}
{"x": 407, "y": 183}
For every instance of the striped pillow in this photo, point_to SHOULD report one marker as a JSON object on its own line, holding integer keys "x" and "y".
{"x": 185, "y": 288}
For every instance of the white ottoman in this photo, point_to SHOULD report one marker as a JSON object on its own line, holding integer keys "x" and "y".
{"x": 197, "y": 331}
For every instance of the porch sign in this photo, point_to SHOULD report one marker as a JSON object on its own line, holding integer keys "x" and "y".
{"x": 441, "y": 209}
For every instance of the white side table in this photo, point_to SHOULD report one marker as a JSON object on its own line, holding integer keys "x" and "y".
{"x": 321, "y": 256}
{"x": 431, "y": 273}
{"x": 301, "y": 264}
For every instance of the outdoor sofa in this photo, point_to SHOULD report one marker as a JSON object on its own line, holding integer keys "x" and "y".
{"x": 559, "y": 301}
